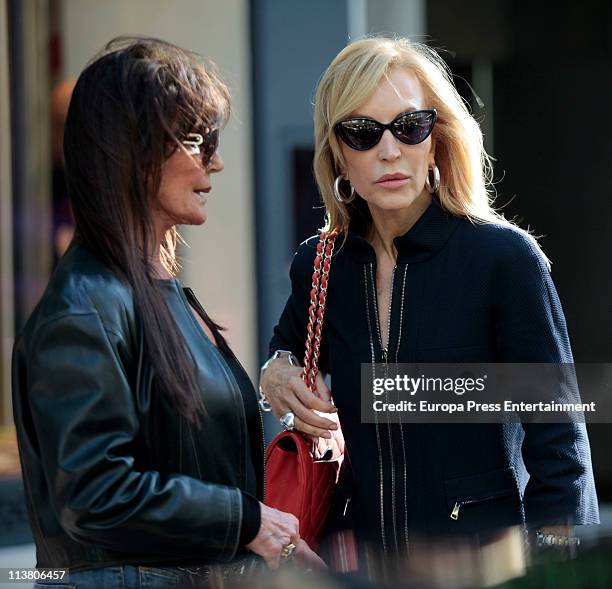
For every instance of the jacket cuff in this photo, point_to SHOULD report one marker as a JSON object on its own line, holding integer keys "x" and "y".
{"x": 251, "y": 518}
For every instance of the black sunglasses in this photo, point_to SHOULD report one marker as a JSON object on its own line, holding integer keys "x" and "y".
{"x": 363, "y": 133}
{"x": 202, "y": 145}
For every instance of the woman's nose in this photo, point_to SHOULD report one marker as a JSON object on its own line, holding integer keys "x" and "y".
{"x": 216, "y": 164}
{"x": 388, "y": 148}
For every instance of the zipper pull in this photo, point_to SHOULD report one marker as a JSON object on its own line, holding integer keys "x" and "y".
{"x": 346, "y": 507}
{"x": 455, "y": 513}
{"x": 384, "y": 354}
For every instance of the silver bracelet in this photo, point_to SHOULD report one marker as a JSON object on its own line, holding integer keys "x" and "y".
{"x": 293, "y": 361}
{"x": 543, "y": 539}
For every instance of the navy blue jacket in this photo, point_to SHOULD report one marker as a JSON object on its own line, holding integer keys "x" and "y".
{"x": 462, "y": 292}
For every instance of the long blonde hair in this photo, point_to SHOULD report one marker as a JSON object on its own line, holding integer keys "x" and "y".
{"x": 465, "y": 167}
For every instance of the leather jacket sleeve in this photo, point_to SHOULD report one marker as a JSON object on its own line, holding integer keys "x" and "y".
{"x": 86, "y": 425}
{"x": 531, "y": 328}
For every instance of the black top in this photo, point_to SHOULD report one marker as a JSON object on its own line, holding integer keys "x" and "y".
{"x": 462, "y": 292}
{"x": 250, "y": 505}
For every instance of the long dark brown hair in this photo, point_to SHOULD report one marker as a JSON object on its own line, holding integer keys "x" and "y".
{"x": 128, "y": 111}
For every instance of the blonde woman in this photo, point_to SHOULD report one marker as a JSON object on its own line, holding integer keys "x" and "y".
{"x": 425, "y": 271}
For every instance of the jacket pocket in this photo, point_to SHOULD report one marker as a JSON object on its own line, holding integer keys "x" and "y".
{"x": 484, "y": 501}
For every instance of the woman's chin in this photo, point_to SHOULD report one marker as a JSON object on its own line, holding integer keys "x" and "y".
{"x": 194, "y": 219}
{"x": 199, "y": 215}
{"x": 393, "y": 202}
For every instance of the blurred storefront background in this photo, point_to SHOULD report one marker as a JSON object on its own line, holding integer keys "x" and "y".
{"x": 537, "y": 78}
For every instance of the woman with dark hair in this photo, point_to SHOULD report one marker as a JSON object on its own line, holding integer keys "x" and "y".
{"x": 139, "y": 432}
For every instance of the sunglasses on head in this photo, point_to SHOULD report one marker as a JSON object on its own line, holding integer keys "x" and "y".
{"x": 363, "y": 133}
{"x": 202, "y": 145}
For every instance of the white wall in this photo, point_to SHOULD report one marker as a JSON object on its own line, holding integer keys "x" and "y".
{"x": 6, "y": 227}
{"x": 219, "y": 265}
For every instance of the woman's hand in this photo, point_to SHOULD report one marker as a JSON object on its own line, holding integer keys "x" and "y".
{"x": 277, "y": 529}
{"x": 286, "y": 391}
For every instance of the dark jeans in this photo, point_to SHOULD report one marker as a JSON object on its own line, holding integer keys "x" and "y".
{"x": 154, "y": 577}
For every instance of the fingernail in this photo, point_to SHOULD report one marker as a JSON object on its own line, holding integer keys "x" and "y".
{"x": 327, "y": 435}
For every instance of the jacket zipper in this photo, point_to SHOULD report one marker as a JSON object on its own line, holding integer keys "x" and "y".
{"x": 378, "y": 444}
{"x": 385, "y": 357}
{"x": 455, "y": 513}
{"x": 403, "y": 445}
{"x": 384, "y": 348}
{"x": 459, "y": 504}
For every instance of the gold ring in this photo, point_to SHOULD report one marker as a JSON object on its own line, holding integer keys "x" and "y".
{"x": 287, "y": 551}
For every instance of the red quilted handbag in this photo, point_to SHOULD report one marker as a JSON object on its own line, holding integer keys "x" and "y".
{"x": 301, "y": 475}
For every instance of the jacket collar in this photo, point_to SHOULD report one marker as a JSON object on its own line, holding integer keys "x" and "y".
{"x": 422, "y": 241}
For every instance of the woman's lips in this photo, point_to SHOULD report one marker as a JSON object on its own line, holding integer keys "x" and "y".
{"x": 393, "y": 183}
{"x": 202, "y": 192}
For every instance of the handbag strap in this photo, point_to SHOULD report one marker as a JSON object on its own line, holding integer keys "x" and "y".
{"x": 316, "y": 311}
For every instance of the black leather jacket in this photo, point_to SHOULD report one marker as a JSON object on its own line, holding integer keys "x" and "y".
{"x": 113, "y": 473}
